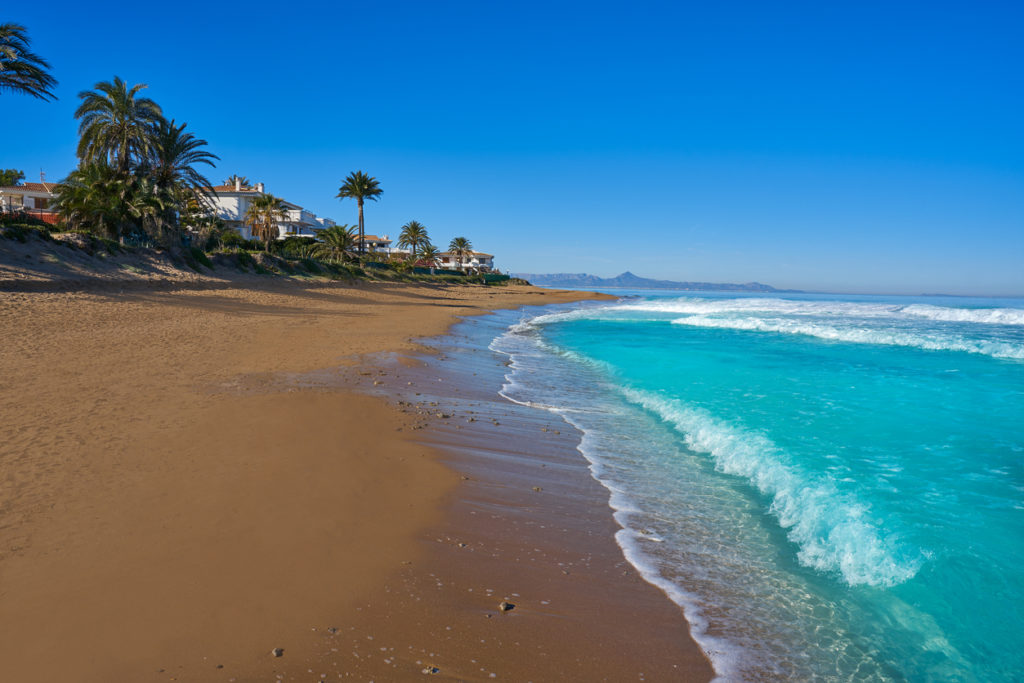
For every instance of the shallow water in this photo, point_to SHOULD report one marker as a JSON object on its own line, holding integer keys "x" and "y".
{"x": 832, "y": 486}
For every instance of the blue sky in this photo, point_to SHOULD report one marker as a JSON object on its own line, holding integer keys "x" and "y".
{"x": 861, "y": 146}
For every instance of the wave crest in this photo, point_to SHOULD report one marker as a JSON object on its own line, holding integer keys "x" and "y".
{"x": 833, "y": 530}
{"x": 839, "y": 309}
{"x": 859, "y": 335}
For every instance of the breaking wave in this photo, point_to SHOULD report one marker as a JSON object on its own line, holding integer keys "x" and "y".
{"x": 696, "y": 306}
{"x": 833, "y": 530}
{"x": 860, "y": 335}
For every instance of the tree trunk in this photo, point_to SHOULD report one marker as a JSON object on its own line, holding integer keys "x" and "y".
{"x": 362, "y": 234}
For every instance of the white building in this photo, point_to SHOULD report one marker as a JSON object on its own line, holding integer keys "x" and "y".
{"x": 34, "y": 199}
{"x": 377, "y": 243}
{"x": 230, "y": 202}
{"x": 477, "y": 260}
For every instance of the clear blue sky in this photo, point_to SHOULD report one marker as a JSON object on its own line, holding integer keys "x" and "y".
{"x": 851, "y": 146}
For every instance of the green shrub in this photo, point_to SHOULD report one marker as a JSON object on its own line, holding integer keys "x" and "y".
{"x": 232, "y": 239}
{"x": 200, "y": 256}
{"x": 22, "y": 231}
{"x": 245, "y": 261}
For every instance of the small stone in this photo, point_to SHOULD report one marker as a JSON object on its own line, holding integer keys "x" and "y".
{"x": 277, "y": 651}
{"x": 220, "y": 666}
{"x": 537, "y": 489}
{"x": 506, "y": 606}
{"x": 431, "y": 670}
{"x": 332, "y": 629}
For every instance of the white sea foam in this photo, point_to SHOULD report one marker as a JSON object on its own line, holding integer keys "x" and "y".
{"x": 989, "y": 316}
{"x": 859, "y": 335}
{"x": 723, "y": 655}
{"x": 832, "y": 529}
{"x": 841, "y": 309}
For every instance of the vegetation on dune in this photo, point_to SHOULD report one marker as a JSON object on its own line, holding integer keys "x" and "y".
{"x": 21, "y": 70}
{"x": 360, "y": 186}
{"x": 98, "y": 198}
{"x": 338, "y": 243}
{"x": 137, "y": 176}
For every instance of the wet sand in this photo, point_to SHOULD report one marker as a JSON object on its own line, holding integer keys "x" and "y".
{"x": 176, "y": 503}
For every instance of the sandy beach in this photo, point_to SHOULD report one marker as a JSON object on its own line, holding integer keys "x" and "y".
{"x": 174, "y": 507}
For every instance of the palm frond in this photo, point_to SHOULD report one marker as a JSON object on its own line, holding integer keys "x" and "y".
{"x": 21, "y": 70}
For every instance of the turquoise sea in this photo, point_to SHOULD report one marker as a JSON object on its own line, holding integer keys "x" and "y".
{"x": 831, "y": 486}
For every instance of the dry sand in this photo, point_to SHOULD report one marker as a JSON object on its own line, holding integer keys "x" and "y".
{"x": 171, "y": 510}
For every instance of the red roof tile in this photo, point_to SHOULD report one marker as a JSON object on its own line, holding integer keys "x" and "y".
{"x": 31, "y": 187}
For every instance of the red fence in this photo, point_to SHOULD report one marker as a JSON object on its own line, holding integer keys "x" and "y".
{"x": 48, "y": 217}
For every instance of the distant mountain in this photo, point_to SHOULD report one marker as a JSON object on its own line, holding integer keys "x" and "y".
{"x": 630, "y": 281}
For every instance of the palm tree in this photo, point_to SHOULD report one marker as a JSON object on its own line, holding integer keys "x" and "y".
{"x": 360, "y": 187}
{"x": 413, "y": 235}
{"x": 262, "y": 216}
{"x": 21, "y": 70}
{"x": 460, "y": 248}
{"x": 86, "y": 199}
{"x": 99, "y": 198}
{"x": 174, "y": 153}
{"x": 171, "y": 166}
{"x": 116, "y": 126}
{"x": 339, "y": 242}
{"x": 429, "y": 256}
{"x": 242, "y": 180}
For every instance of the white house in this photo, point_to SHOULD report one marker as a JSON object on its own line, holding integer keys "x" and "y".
{"x": 378, "y": 243}
{"x": 478, "y": 261}
{"x": 35, "y": 199}
{"x": 232, "y": 201}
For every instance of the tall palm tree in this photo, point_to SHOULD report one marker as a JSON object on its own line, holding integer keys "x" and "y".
{"x": 21, "y": 70}
{"x": 413, "y": 235}
{"x": 262, "y": 216}
{"x": 116, "y": 126}
{"x": 360, "y": 187}
{"x": 338, "y": 242}
{"x": 460, "y": 248}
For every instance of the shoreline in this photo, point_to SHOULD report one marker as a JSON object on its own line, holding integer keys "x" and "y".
{"x": 529, "y": 501}
{"x": 159, "y": 520}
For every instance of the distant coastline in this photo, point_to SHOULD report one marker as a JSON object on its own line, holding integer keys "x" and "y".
{"x": 628, "y": 280}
